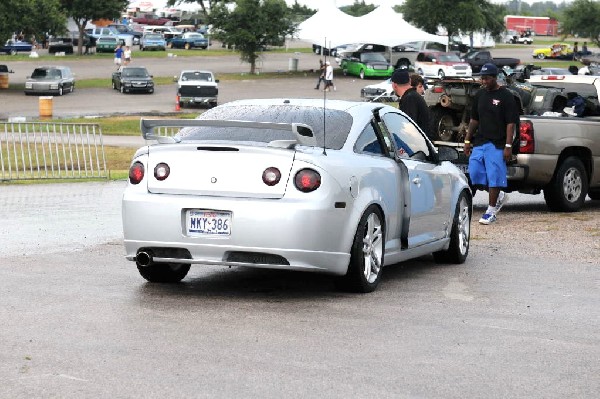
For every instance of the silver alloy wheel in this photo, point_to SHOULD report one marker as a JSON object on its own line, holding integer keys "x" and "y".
{"x": 464, "y": 226}
{"x": 572, "y": 185}
{"x": 372, "y": 248}
{"x": 445, "y": 127}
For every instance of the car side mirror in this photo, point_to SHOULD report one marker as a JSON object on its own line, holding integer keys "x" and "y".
{"x": 216, "y": 80}
{"x": 447, "y": 153}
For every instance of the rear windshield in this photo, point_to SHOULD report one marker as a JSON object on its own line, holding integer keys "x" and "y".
{"x": 203, "y": 76}
{"x": 337, "y": 124}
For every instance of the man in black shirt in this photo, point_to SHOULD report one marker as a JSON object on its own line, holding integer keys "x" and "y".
{"x": 493, "y": 120}
{"x": 411, "y": 102}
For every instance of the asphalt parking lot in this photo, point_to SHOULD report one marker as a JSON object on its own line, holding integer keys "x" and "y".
{"x": 102, "y": 101}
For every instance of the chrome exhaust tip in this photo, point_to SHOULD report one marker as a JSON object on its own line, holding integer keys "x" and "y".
{"x": 143, "y": 258}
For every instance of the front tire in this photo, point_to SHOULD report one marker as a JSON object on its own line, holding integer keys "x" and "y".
{"x": 361, "y": 74}
{"x": 541, "y": 56}
{"x": 60, "y": 90}
{"x": 567, "y": 190}
{"x": 122, "y": 89}
{"x": 164, "y": 272}
{"x": 460, "y": 234}
{"x": 366, "y": 254}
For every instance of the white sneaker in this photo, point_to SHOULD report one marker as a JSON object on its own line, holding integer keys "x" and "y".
{"x": 502, "y": 199}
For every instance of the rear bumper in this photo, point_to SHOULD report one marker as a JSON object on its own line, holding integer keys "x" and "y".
{"x": 198, "y": 100}
{"x": 306, "y": 235}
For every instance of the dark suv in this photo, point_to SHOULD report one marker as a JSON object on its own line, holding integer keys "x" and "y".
{"x": 60, "y": 45}
{"x": 129, "y": 79}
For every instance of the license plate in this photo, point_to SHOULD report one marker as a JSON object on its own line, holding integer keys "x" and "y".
{"x": 198, "y": 99}
{"x": 205, "y": 222}
{"x": 463, "y": 167}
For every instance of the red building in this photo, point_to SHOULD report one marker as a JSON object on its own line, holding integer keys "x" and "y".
{"x": 544, "y": 26}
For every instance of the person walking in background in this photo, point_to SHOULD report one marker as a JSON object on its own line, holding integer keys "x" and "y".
{"x": 127, "y": 55}
{"x": 321, "y": 74}
{"x": 118, "y": 56}
{"x": 411, "y": 102}
{"x": 328, "y": 77}
{"x": 494, "y": 117}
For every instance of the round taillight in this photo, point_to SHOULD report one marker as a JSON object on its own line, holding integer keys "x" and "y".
{"x": 136, "y": 173}
{"x": 271, "y": 176}
{"x": 307, "y": 180}
{"x": 161, "y": 171}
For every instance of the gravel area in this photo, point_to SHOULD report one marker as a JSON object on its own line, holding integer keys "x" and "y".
{"x": 530, "y": 229}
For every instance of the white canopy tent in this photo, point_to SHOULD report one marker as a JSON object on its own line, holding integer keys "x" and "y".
{"x": 390, "y": 29}
{"x": 381, "y": 26}
{"x": 328, "y": 27}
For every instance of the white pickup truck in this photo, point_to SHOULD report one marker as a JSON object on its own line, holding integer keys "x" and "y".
{"x": 559, "y": 154}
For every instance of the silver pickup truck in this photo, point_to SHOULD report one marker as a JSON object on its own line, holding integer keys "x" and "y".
{"x": 559, "y": 154}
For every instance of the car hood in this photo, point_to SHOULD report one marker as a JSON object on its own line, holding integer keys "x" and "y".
{"x": 453, "y": 63}
{"x": 136, "y": 78}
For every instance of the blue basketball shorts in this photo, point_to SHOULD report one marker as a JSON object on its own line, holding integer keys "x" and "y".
{"x": 487, "y": 167}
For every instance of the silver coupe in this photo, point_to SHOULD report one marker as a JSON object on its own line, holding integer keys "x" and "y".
{"x": 329, "y": 186}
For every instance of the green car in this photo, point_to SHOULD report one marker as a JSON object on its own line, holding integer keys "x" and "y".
{"x": 107, "y": 44}
{"x": 367, "y": 65}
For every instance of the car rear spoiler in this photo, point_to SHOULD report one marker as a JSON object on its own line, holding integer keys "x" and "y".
{"x": 303, "y": 133}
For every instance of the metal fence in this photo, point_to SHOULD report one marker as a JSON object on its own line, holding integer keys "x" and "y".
{"x": 47, "y": 150}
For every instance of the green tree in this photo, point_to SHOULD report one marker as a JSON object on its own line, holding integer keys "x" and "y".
{"x": 358, "y": 9}
{"x": 251, "y": 26}
{"x": 455, "y": 16}
{"x": 582, "y": 18}
{"x": 83, "y": 11}
{"x": 211, "y": 3}
{"x": 31, "y": 18}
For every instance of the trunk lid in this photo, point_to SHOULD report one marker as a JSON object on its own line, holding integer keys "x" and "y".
{"x": 222, "y": 170}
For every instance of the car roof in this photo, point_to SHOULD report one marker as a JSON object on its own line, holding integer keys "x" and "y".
{"x": 195, "y": 70}
{"x": 340, "y": 105}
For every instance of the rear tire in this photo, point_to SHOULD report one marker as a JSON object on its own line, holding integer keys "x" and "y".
{"x": 164, "y": 272}
{"x": 541, "y": 56}
{"x": 187, "y": 46}
{"x": 443, "y": 124}
{"x": 460, "y": 234}
{"x": 567, "y": 190}
{"x": 366, "y": 254}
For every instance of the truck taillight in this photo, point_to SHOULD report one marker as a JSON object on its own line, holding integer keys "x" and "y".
{"x": 526, "y": 141}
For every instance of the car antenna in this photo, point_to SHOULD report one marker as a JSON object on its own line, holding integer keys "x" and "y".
{"x": 325, "y": 93}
